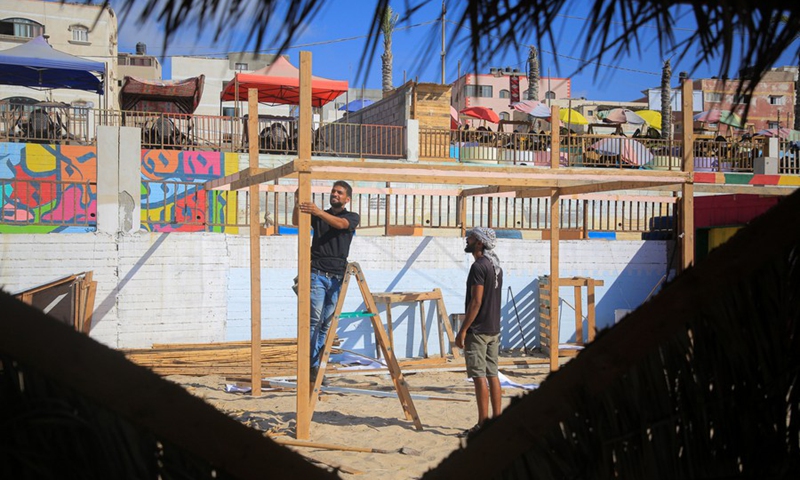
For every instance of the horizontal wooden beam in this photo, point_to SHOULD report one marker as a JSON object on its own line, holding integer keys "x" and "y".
{"x": 733, "y": 189}
{"x": 611, "y": 186}
{"x": 534, "y": 192}
{"x": 224, "y": 182}
{"x": 265, "y": 176}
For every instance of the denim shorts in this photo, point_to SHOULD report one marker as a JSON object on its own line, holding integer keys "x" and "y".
{"x": 481, "y": 352}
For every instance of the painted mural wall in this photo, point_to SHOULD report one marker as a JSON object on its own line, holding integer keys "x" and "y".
{"x": 173, "y": 198}
{"x": 48, "y": 188}
{"x": 53, "y": 189}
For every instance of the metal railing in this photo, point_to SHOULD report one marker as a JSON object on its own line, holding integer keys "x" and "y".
{"x": 726, "y": 155}
{"x": 57, "y": 123}
{"x": 789, "y": 161}
{"x": 48, "y": 203}
{"x": 444, "y": 211}
{"x": 186, "y": 206}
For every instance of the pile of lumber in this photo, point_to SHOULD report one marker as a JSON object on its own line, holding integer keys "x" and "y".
{"x": 228, "y": 359}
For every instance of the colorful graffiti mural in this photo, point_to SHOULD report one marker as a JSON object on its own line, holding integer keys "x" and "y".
{"x": 173, "y": 198}
{"x": 48, "y": 188}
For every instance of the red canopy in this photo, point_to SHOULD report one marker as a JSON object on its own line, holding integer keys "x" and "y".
{"x": 280, "y": 83}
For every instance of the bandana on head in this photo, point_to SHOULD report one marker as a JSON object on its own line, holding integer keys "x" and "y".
{"x": 489, "y": 240}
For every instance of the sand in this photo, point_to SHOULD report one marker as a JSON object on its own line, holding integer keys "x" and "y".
{"x": 366, "y": 421}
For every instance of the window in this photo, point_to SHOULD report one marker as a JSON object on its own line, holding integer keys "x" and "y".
{"x": 741, "y": 99}
{"x": 20, "y": 27}
{"x": 528, "y": 95}
{"x": 713, "y": 97}
{"x": 550, "y": 95}
{"x": 478, "y": 91}
{"x": 228, "y": 111}
{"x": 505, "y": 116}
{"x": 240, "y": 67}
{"x": 140, "y": 61}
{"x": 504, "y": 94}
{"x": 773, "y": 125}
{"x": 589, "y": 113}
{"x": 776, "y": 100}
{"x": 80, "y": 34}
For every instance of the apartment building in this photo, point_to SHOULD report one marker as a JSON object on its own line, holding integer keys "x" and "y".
{"x": 139, "y": 65}
{"x": 494, "y": 90}
{"x": 773, "y": 101}
{"x": 88, "y": 31}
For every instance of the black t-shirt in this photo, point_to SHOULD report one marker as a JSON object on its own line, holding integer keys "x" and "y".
{"x": 482, "y": 273}
{"x": 330, "y": 246}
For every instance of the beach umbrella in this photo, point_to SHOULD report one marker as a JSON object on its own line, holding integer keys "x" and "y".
{"x": 623, "y": 115}
{"x": 532, "y": 108}
{"x": 629, "y": 150}
{"x": 356, "y": 105}
{"x": 719, "y": 116}
{"x": 454, "y": 121}
{"x": 783, "y": 133}
{"x": 570, "y": 116}
{"x": 481, "y": 113}
{"x": 651, "y": 117}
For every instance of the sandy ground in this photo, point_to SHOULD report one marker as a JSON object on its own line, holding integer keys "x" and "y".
{"x": 366, "y": 421}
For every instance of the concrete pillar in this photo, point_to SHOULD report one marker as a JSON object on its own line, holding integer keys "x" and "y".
{"x": 768, "y": 164}
{"x": 412, "y": 140}
{"x": 119, "y": 179}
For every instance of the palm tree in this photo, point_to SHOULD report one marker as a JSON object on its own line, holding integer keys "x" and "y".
{"x": 533, "y": 74}
{"x": 666, "y": 101}
{"x": 388, "y": 22}
{"x": 495, "y": 26}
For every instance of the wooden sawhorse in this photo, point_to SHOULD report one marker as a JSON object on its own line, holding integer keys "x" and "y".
{"x": 547, "y": 333}
{"x": 443, "y": 324}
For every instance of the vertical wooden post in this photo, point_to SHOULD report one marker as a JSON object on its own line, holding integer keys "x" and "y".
{"x": 462, "y": 214}
{"x": 578, "y": 315}
{"x": 255, "y": 250}
{"x": 304, "y": 410}
{"x": 424, "y": 329}
{"x": 687, "y": 189}
{"x": 590, "y": 323}
{"x": 555, "y": 137}
{"x": 388, "y": 211}
{"x": 554, "y": 235}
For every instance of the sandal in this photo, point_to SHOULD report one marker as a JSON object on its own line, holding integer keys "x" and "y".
{"x": 469, "y": 432}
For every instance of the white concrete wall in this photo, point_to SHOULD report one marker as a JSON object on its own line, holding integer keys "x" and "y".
{"x": 194, "y": 287}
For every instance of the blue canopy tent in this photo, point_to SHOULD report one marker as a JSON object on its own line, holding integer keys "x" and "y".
{"x": 36, "y": 64}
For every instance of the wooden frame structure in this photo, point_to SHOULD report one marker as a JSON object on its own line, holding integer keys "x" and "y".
{"x": 442, "y": 321}
{"x": 549, "y": 327}
{"x": 524, "y": 181}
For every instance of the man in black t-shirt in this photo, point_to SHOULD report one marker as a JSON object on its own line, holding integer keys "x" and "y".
{"x": 479, "y": 335}
{"x": 330, "y": 245}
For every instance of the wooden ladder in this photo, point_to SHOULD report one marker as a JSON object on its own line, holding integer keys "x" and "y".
{"x": 381, "y": 338}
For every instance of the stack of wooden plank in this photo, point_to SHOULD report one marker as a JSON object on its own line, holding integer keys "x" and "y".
{"x": 228, "y": 359}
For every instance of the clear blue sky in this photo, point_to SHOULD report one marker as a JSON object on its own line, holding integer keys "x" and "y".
{"x": 337, "y": 36}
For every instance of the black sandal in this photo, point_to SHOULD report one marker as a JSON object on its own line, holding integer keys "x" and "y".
{"x": 469, "y": 432}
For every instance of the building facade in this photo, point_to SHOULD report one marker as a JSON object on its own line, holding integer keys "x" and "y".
{"x": 88, "y": 31}
{"x": 494, "y": 90}
{"x": 771, "y": 103}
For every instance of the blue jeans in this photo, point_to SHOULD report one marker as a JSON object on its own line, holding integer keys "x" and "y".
{"x": 324, "y": 295}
